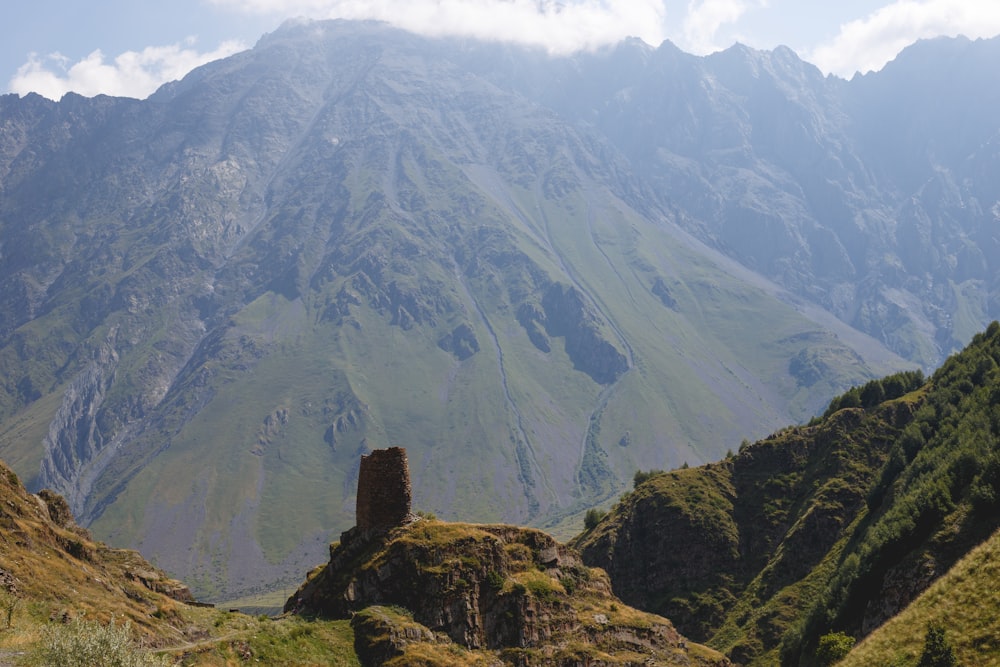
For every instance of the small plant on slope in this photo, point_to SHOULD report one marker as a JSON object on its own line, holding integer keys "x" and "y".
{"x": 833, "y": 647}
{"x": 90, "y": 644}
{"x": 937, "y": 650}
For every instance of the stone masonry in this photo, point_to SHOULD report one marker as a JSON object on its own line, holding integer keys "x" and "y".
{"x": 383, "y": 490}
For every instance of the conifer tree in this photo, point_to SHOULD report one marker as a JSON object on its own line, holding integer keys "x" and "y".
{"x": 937, "y": 650}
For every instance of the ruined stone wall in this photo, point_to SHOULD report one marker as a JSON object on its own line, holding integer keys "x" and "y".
{"x": 383, "y": 490}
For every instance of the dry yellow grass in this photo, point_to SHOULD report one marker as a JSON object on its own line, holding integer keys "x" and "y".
{"x": 965, "y": 601}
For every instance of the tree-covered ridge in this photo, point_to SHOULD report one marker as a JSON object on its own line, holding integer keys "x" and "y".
{"x": 877, "y": 391}
{"x": 935, "y": 499}
{"x": 730, "y": 551}
{"x": 831, "y": 527}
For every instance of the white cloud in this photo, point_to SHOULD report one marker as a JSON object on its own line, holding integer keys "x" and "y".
{"x": 868, "y": 44}
{"x": 131, "y": 74}
{"x": 560, "y": 27}
{"x": 704, "y": 19}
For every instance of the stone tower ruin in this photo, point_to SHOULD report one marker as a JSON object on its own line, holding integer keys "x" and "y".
{"x": 384, "y": 493}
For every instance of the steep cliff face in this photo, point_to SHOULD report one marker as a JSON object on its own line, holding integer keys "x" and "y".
{"x": 512, "y": 591}
{"x": 697, "y": 545}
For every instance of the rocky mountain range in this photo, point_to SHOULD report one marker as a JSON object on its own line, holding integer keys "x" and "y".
{"x": 538, "y": 274}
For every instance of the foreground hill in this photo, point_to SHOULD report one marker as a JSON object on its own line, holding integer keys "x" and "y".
{"x": 67, "y": 599}
{"x": 430, "y": 593}
{"x": 489, "y": 592}
{"x": 835, "y": 526}
{"x": 213, "y": 300}
{"x": 49, "y": 562}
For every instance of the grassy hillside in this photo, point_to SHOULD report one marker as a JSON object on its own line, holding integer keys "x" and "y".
{"x": 62, "y": 595}
{"x": 965, "y": 602}
{"x": 835, "y": 526}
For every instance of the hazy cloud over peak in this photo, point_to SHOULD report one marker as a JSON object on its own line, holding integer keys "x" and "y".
{"x": 867, "y": 44}
{"x": 706, "y": 17}
{"x": 829, "y": 35}
{"x": 559, "y": 27}
{"x": 131, "y": 74}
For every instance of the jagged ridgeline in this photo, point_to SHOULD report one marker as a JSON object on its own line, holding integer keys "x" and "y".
{"x": 833, "y": 527}
{"x": 213, "y": 300}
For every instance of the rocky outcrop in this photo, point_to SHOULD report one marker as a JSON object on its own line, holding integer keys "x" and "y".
{"x": 565, "y": 312}
{"x": 675, "y": 547}
{"x": 381, "y": 634}
{"x": 663, "y": 293}
{"x": 461, "y": 342}
{"x": 513, "y": 591}
{"x": 45, "y": 558}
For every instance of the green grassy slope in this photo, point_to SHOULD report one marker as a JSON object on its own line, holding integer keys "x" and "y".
{"x": 965, "y": 602}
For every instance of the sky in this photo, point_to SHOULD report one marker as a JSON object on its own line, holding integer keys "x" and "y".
{"x": 131, "y": 47}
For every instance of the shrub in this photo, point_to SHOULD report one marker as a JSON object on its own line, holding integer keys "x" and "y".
{"x": 642, "y": 475}
{"x": 495, "y": 580}
{"x": 833, "y": 647}
{"x": 542, "y": 588}
{"x": 593, "y": 517}
{"x": 937, "y": 650}
{"x": 537, "y": 584}
{"x": 8, "y": 605}
{"x": 90, "y": 644}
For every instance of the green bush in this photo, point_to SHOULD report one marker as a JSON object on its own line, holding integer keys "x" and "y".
{"x": 542, "y": 588}
{"x": 592, "y": 518}
{"x": 495, "y": 580}
{"x": 937, "y": 650}
{"x": 833, "y": 647}
{"x": 643, "y": 475}
{"x": 90, "y": 644}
